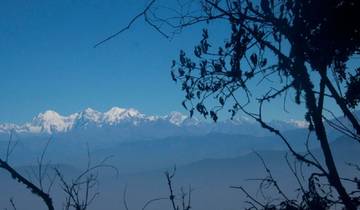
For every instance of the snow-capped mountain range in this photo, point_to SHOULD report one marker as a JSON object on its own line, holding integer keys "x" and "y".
{"x": 52, "y": 122}
{"x": 130, "y": 122}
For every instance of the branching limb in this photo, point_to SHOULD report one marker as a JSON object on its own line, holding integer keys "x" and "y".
{"x": 32, "y": 187}
{"x": 142, "y": 13}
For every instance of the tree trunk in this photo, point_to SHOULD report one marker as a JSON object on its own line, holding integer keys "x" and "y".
{"x": 316, "y": 116}
{"x": 340, "y": 101}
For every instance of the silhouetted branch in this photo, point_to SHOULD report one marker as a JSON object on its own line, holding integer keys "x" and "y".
{"x": 314, "y": 45}
{"x": 13, "y": 204}
{"x": 152, "y": 201}
{"x": 79, "y": 191}
{"x": 10, "y": 148}
{"x": 124, "y": 198}
{"x": 340, "y": 126}
{"x": 142, "y": 13}
{"x": 270, "y": 177}
{"x": 43, "y": 168}
{"x": 33, "y": 188}
{"x": 341, "y": 102}
{"x": 253, "y": 200}
{"x": 169, "y": 177}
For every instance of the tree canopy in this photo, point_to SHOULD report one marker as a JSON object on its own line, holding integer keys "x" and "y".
{"x": 313, "y": 43}
{"x": 308, "y": 48}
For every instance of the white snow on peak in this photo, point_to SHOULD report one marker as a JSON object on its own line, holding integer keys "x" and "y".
{"x": 176, "y": 118}
{"x": 153, "y": 118}
{"x": 240, "y": 120}
{"x": 49, "y": 121}
{"x": 4, "y": 128}
{"x": 49, "y": 115}
{"x": 289, "y": 124}
{"x": 116, "y": 115}
{"x": 89, "y": 115}
{"x": 52, "y": 122}
{"x": 115, "y": 111}
{"x": 298, "y": 123}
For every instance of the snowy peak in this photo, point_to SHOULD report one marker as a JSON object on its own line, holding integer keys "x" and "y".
{"x": 48, "y": 117}
{"x": 52, "y": 122}
{"x": 126, "y": 121}
{"x": 289, "y": 124}
{"x": 176, "y": 118}
{"x": 298, "y": 123}
{"x": 49, "y": 121}
{"x": 116, "y": 115}
{"x": 89, "y": 115}
{"x": 4, "y": 128}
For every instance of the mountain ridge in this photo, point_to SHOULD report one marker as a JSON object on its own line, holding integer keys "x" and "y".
{"x": 51, "y": 122}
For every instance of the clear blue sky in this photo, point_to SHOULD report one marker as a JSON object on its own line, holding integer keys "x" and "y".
{"x": 47, "y": 59}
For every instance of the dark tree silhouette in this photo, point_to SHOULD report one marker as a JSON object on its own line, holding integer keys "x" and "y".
{"x": 31, "y": 186}
{"x": 79, "y": 192}
{"x": 178, "y": 201}
{"x": 36, "y": 189}
{"x": 303, "y": 47}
